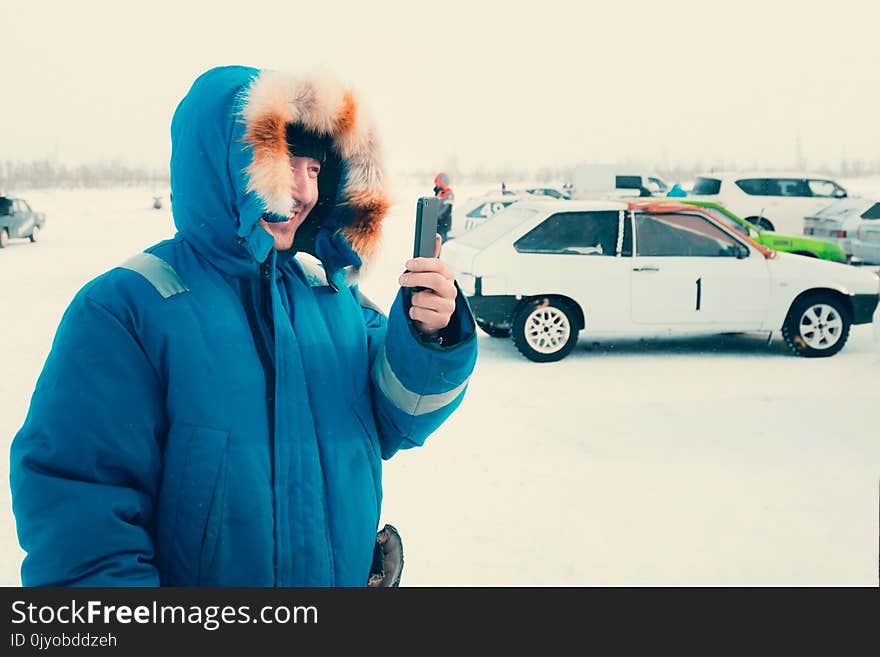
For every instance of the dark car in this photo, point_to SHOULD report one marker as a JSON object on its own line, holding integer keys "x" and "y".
{"x": 17, "y": 219}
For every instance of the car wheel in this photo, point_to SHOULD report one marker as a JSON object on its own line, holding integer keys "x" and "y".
{"x": 761, "y": 222}
{"x": 4, "y": 238}
{"x": 494, "y": 331}
{"x": 35, "y": 234}
{"x": 816, "y": 326}
{"x": 544, "y": 330}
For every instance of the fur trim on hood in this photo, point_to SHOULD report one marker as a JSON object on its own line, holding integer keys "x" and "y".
{"x": 325, "y": 107}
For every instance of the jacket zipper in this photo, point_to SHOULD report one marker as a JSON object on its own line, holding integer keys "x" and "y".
{"x": 267, "y": 334}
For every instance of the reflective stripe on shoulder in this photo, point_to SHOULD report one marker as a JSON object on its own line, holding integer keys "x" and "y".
{"x": 405, "y": 399}
{"x": 159, "y": 273}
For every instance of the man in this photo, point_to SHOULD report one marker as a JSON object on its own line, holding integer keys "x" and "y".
{"x": 215, "y": 410}
{"x": 444, "y": 192}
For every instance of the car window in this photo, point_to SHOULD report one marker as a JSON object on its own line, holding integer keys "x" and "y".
{"x": 727, "y": 221}
{"x": 576, "y": 233}
{"x": 656, "y": 186}
{"x": 872, "y": 213}
{"x": 706, "y": 186}
{"x": 628, "y": 182}
{"x": 787, "y": 187}
{"x": 502, "y": 222}
{"x": 825, "y": 188}
{"x": 5, "y": 206}
{"x": 686, "y": 235}
{"x": 753, "y": 186}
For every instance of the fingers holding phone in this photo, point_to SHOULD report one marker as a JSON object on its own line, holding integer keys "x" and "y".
{"x": 431, "y": 284}
{"x": 433, "y": 292}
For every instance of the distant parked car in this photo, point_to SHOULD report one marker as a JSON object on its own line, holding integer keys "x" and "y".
{"x": 854, "y": 223}
{"x": 798, "y": 244}
{"x": 776, "y": 201}
{"x": 542, "y": 271}
{"x": 474, "y": 211}
{"x": 552, "y": 192}
{"x": 17, "y": 219}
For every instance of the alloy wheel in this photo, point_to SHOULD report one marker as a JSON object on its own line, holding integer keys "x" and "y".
{"x": 820, "y": 326}
{"x": 547, "y": 330}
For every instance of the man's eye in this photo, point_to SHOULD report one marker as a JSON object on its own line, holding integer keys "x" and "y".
{"x": 314, "y": 171}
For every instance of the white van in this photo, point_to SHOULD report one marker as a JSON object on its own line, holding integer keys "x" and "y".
{"x": 600, "y": 180}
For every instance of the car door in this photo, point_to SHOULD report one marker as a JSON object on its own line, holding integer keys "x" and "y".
{"x": 25, "y": 218}
{"x": 790, "y": 201}
{"x": 689, "y": 272}
{"x": 582, "y": 255}
{"x": 19, "y": 218}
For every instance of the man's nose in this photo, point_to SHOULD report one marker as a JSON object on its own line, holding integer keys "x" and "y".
{"x": 303, "y": 185}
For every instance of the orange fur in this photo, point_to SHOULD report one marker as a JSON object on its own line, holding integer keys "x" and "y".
{"x": 345, "y": 118}
{"x": 267, "y": 138}
{"x": 365, "y": 232}
{"x": 325, "y": 106}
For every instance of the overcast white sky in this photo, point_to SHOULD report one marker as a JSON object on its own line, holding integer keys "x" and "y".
{"x": 481, "y": 84}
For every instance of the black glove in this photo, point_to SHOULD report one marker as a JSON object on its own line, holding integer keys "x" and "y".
{"x": 387, "y": 559}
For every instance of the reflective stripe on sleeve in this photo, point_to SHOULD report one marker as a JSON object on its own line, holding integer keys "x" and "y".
{"x": 406, "y": 400}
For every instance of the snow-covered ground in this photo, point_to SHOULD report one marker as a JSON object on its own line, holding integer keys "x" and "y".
{"x": 698, "y": 461}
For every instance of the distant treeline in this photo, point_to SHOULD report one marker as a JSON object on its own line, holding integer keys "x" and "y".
{"x": 44, "y": 174}
{"x": 48, "y": 174}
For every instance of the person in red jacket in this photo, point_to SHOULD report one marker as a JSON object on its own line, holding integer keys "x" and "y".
{"x": 443, "y": 191}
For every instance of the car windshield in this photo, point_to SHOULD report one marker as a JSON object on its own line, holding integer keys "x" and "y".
{"x": 497, "y": 226}
{"x": 5, "y": 206}
{"x": 721, "y": 216}
{"x": 841, "y": 209}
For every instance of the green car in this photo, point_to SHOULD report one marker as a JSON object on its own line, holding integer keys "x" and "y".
{"x": 800, "y": 245}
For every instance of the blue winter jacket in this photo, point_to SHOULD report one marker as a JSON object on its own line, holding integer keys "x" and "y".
{"x": 213, "y": 412}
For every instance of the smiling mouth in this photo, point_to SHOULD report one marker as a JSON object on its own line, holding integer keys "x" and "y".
{"x": 278, "y": 219}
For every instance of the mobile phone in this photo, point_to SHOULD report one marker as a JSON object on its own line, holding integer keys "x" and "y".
{"x": 427, "y": 213}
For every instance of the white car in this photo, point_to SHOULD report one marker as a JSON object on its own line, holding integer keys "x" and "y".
{"x": 472, "y": 212}
{"x": 545, "y": 270}
{"x": 776, "y": 201}
{"x": 854, "y": 223}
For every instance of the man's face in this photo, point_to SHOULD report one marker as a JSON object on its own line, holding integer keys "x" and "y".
{"x": 305, "y": 194}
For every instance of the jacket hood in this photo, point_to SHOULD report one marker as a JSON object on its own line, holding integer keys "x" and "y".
{"x": 230, "y": 166}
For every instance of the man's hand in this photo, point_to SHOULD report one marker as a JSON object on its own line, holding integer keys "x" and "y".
{"x": 431, "y": 307}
